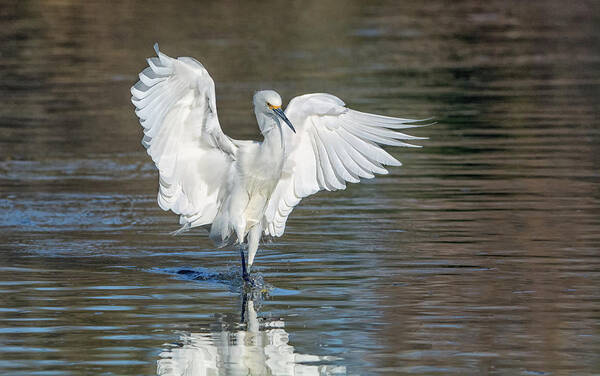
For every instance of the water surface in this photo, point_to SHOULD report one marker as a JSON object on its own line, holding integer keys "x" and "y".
{"x": 479, "y": 256}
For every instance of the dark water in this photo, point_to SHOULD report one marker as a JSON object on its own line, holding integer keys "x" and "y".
{"x": 481, "y": 255}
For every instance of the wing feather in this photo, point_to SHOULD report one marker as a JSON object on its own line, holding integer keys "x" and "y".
{"x": 308, "y": 169}
{"x": 359, "y": 156}
{"x": 355, "y": 168}
{"x": 176, "y": 104}
{"x": 330, "y": 180}
{"x": 333, "y": 145}
{"x": 330, "y": 142}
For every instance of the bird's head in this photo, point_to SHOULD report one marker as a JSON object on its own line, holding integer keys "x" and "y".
{"x": 267, "y": 104}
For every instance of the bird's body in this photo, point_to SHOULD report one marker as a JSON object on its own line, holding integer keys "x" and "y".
{"x": 255, "y": 173}
{"x": 245, "y": 190}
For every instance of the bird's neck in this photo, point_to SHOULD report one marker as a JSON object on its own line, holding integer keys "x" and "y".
{"x": 274, "y": 139}
{"x": 272, "y": 144}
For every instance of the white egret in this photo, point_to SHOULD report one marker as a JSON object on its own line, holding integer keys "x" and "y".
{"x": 245, "y": 190}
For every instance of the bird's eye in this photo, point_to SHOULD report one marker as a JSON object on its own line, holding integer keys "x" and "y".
{"x": 268, "y": 104}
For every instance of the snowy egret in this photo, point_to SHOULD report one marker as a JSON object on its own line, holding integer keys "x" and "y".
{"x": 242, "y": 191}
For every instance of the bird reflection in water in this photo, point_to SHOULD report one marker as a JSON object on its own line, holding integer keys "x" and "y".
{"x": 259, "y": 348}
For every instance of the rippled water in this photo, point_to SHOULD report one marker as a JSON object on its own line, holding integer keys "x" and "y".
{"x": 479, "y": 256}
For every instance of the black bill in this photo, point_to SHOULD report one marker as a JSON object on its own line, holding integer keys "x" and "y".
{"x": 281, "y": 114}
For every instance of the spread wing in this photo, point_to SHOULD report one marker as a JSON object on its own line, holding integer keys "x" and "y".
{"x": 333, "y": 145}
{"x": 175, "y": 101}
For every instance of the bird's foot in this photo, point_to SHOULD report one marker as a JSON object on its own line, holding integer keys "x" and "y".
{"x": 247, "y": 280}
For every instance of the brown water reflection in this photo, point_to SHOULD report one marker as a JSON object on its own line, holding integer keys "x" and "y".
{"x": 478, "y": 256}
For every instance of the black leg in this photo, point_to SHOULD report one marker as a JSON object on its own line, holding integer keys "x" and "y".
{"x": 245, "y": 274}
{"x": 244, "y": 299}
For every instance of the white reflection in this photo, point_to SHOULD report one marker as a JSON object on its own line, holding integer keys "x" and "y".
{"x": 261, "y": 349}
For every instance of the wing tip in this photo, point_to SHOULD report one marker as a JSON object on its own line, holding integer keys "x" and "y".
{"x": 156, "y": 48}
{"x": 416, "y": 123}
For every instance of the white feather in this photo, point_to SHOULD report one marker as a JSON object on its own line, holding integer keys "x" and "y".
{"x": 182, "y": 134}
{"x": 333, "y": 145}
{"x": 245, "y": 188}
